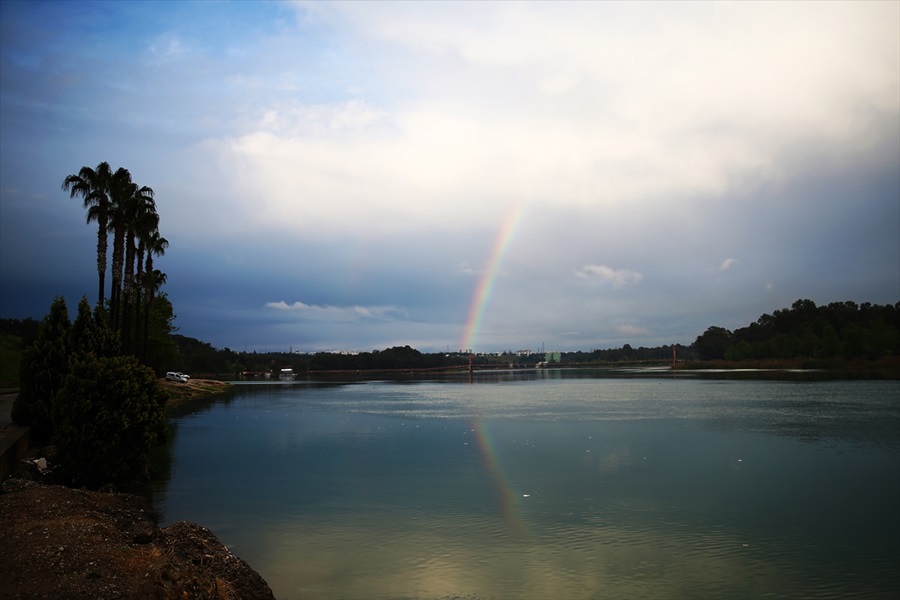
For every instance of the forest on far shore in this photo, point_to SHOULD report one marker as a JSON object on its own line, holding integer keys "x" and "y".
{"x": 827, "y": 336}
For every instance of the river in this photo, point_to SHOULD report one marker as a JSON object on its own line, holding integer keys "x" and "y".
{"x": 563, "y": 485}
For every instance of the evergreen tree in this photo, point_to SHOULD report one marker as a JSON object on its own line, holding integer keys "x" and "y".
{"x": 45, "y": 365}
{"x": 107, "y": 418}
{"x": 161, "y": 349}
{"x": 91, "y": 333}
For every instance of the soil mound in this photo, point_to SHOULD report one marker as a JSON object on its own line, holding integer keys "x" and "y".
{"x": 57, "y": 542}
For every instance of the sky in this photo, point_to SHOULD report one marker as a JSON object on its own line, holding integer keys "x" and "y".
{"x": 485, "y": 176}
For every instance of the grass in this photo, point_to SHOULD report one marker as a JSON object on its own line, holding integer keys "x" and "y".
{"x": 180, "y": 393}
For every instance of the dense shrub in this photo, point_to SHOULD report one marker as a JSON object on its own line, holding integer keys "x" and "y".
{"x": 43, "y": 370}
{"x": 107, "y": 417}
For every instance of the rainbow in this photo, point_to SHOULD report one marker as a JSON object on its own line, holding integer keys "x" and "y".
{"x": 509, "y": 503}
{"x": 482, "y": 294}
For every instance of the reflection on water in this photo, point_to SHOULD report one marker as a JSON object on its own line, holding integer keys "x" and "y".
{"x": 540, "y": 487}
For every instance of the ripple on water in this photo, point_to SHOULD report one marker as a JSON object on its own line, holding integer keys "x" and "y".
{"x": 635, "y": 489}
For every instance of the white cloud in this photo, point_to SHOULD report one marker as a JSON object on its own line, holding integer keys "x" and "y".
{"x": 336, "y": 313}
{"x": 632, "y": 330}
{"x": 619, "y": 278}
{"x": 619, "y": 107}
{"x": 294, "y": 119}
{"x": 168, "y": 46}
{"x": 725, "y": 265}
{"x": 298, "y": 306}
{"x": 467, "y": 269}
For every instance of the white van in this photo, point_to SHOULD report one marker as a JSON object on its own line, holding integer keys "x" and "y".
{"x": 176, "y": 376}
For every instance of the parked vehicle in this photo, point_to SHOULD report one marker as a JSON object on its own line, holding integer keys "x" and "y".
{"x": 176, "y": 376}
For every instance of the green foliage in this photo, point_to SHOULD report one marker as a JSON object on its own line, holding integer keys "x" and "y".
{"x": 103, "y": 410}
{"x": 713, "y": 343}
{"x": 44, "y": 367}
{"x": 10, "y": 359}
{"x": 161, "y": 351}
{"x": 398, "y": 357}
{"x": 91, "y": 333}
{"x": 27, "y": 329}
{"x": 15, "y": 336}
{"x": 195, "y": 356}
{"x": 627, "y": 353}
{"x": 107, "y": 417}
{"x": 840, "y": 330}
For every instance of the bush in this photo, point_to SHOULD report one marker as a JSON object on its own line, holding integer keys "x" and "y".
{"x": 107, "y": 417}
{"x": 43, "y": 371}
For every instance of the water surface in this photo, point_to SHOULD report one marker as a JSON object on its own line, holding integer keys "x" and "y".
{"x": 536, "y": 487}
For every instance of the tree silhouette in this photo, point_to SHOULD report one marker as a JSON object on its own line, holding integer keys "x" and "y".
{"x": 93, "y": 185}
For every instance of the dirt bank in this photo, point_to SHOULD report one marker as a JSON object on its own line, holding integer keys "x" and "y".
{"x": 194, "y": 388}
{"x": 57, "y": 542}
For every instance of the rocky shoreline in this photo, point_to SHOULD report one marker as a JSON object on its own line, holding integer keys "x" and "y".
{"x": 62, "y": 543}
{"x": 59, "y": 542}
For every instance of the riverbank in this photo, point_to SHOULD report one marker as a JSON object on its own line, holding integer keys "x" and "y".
{"x": 192, "y": 390}
{"x": 60, "y": 542}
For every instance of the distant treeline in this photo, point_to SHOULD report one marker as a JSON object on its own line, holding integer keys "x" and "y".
{"x": 843, "y": 330}
{"x": 25, "y": 329}
{"x": 840, "y": 330}
{"x": 200, "y": 357}
{"x": 628, "y": 354}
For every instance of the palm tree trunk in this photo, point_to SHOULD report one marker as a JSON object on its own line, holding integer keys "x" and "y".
{"x": 138, "y": 292}
{"x": 155, "y": 281}
{"x": 148, "y": 300}
{"x": 117, "y": 264}
{"x": 129, "y": 291}
{"x": 101, "y": 260}
{"x": 122, "y": 189}
{"x": 150, "y": 283}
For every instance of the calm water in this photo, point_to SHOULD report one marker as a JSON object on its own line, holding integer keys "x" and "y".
{"x": 534, "y": 487}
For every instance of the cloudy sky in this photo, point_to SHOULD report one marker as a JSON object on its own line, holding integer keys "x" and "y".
{"x": 481, "y": 175}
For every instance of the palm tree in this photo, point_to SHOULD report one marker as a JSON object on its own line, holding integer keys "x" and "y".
{"x": 154, "y": 279}
{"x": 156, "y": 246}
{"x": 121, "y": 189}
{"x": 148, "y": 227}
{"x": 129, "y": 203}
{"x": 140, "y": 217}
{"x": 93, "y": 185}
